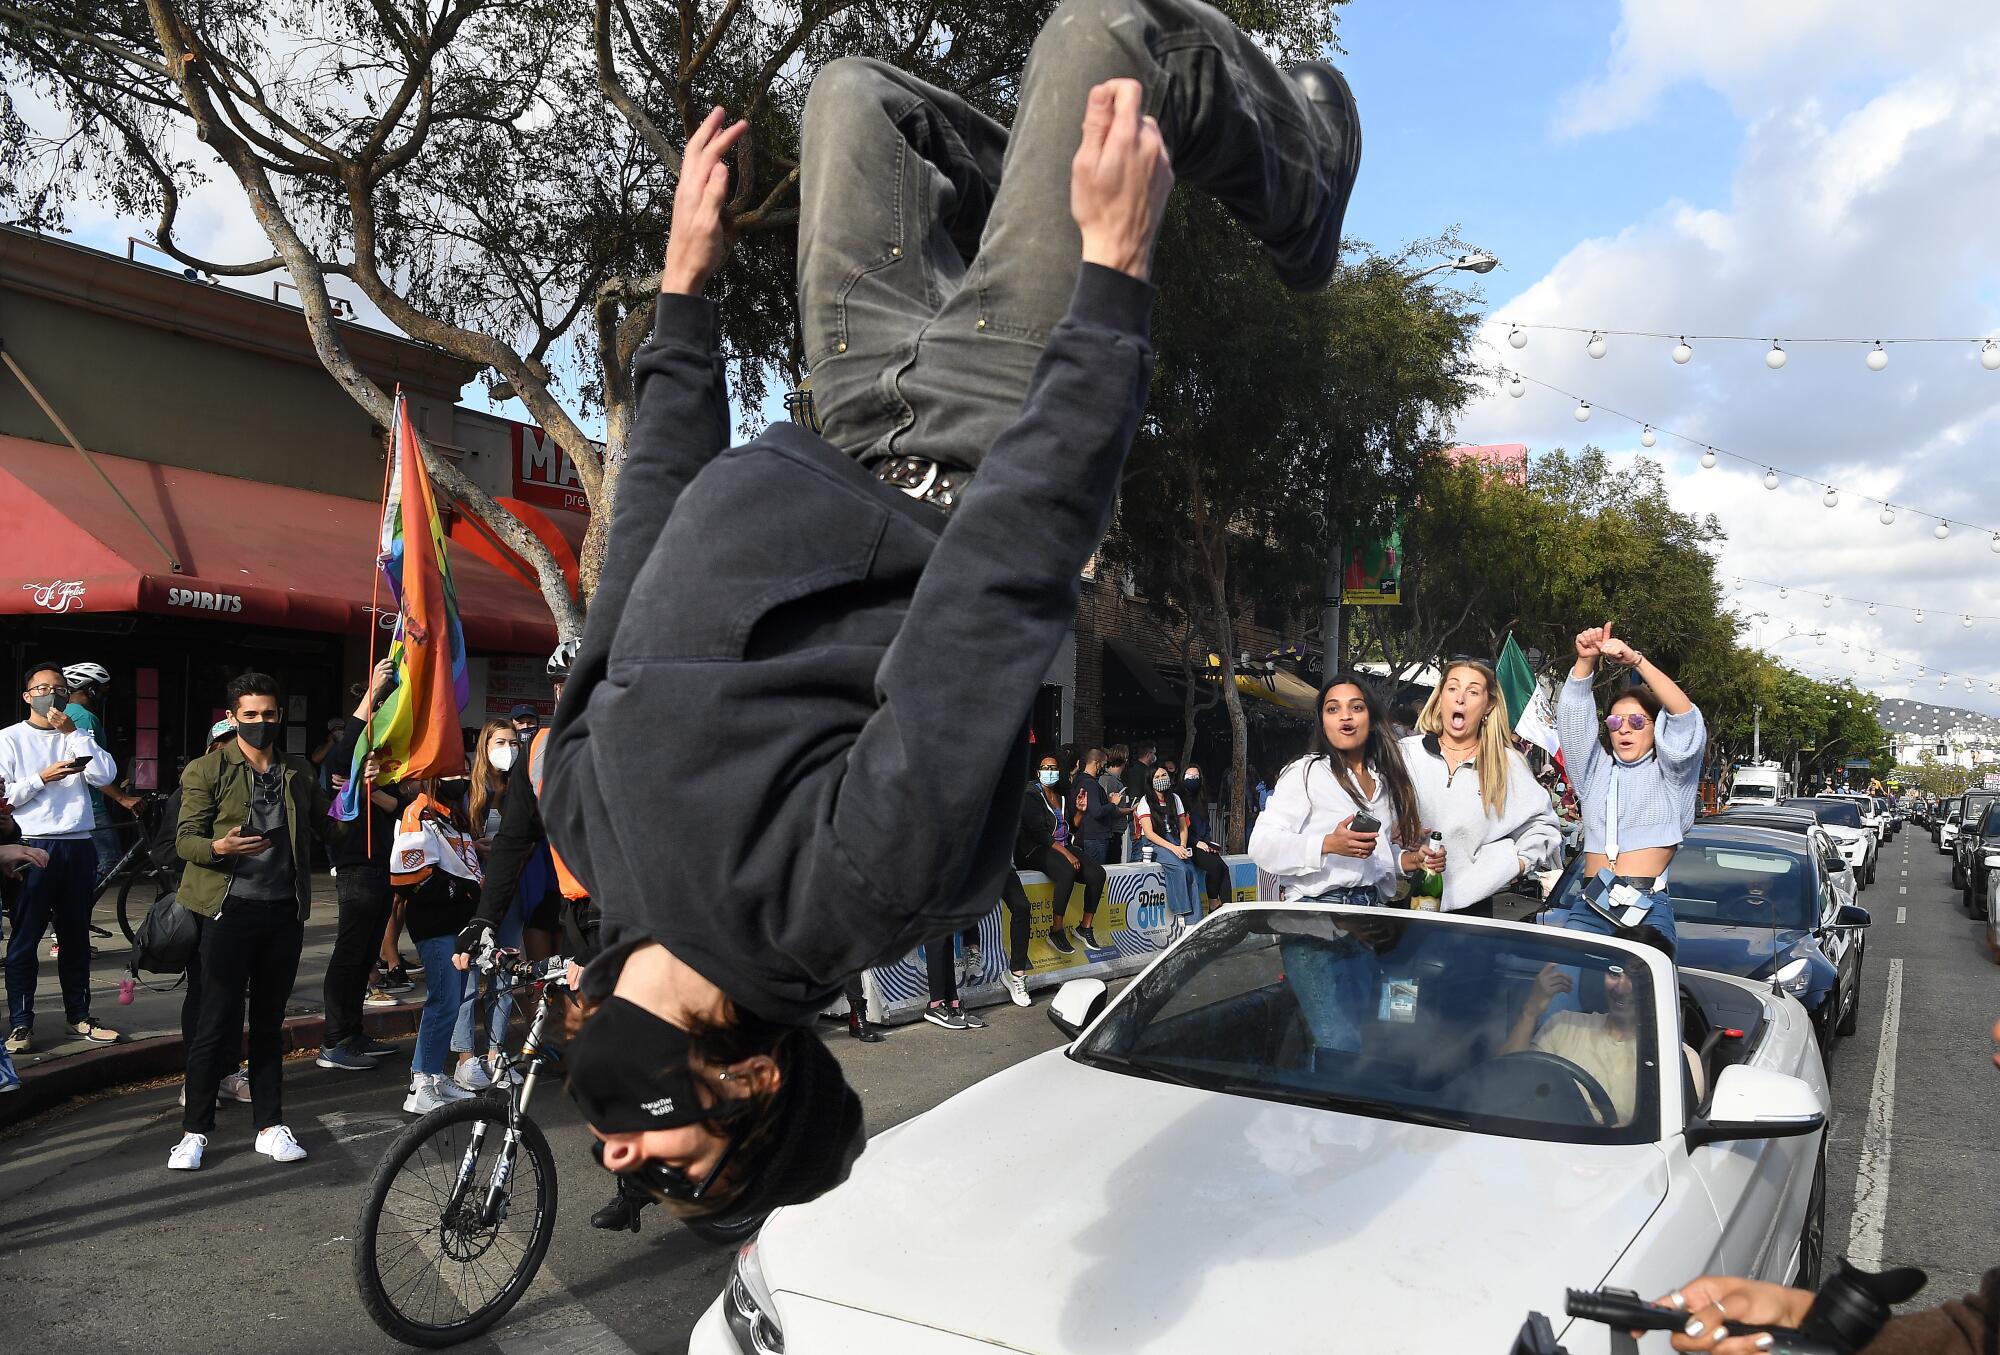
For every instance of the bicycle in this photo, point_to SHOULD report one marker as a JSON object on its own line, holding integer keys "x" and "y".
{"x": 145, "y": 882}
{"x": 453, "y": 1183}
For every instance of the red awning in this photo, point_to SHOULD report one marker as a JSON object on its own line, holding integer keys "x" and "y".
{"x": 260, "y": 554}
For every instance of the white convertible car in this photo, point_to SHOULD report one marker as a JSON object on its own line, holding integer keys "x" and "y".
{"x": 1321, "y": 1129}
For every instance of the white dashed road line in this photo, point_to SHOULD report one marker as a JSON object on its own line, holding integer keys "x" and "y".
{"x": 1902, "y": 889}
{"x": 1901, "y": 913}
{"x": 1871, "y": 1178}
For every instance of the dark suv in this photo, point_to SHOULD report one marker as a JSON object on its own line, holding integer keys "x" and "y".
{"x": 1971, "y": 819}
{"x": 1976, "y": 840}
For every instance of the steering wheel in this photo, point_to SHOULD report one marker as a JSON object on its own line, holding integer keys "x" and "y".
{"x": 1593, "y": 1090}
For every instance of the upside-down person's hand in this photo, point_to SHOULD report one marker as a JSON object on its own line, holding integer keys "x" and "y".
{"x": 696, "y": 238}
{"x": 1119, "y": 179}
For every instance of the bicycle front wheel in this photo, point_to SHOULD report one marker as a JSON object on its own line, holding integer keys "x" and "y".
{"x": 136, "y": 898}
{"x": 433, "y": 1263}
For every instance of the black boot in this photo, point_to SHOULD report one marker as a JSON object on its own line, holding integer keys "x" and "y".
{"x": 860, "y": 1029}
{"x": 622, "y": 1212}
{"x": 1305, "y": 264}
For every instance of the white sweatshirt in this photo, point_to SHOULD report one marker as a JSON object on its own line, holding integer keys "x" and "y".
{"x": 61, "y": 809}
{"x": 1482, "y": 853}
{"x": 1305, "y": 806}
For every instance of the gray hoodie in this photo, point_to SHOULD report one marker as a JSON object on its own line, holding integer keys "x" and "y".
{"x": 1482, "y": 853}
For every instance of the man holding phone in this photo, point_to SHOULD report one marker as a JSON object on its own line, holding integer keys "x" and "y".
{"x": 49, "y": 767}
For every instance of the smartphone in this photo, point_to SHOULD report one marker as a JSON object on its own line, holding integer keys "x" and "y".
{"x": 1364, "y": 822}
{"x": 77, "y": 764}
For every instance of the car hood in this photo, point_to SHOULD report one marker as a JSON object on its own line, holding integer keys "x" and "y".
{"x": 1061, "y": 1208}
{"x": 1746, "y": 952}
{"x": 1840, "y": 832}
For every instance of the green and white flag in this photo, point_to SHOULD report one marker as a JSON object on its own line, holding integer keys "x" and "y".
{"x": 1526, "y": 704}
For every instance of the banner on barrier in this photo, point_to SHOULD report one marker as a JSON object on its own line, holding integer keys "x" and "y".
{"x": 1132, "y": 920}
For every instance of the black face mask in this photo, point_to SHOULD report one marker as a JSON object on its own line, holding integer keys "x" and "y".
{"x": 629, "y": 1073}
{"x": 258, "y": 734}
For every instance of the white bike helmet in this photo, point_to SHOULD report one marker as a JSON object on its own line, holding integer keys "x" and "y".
{"x": 557, "y": 667}
{"x": 86, "y": 675}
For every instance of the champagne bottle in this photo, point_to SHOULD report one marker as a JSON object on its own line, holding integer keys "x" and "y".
{"x": 1427, "y": 891}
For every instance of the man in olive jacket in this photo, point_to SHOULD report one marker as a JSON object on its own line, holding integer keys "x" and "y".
{"x": 247, "y": 812}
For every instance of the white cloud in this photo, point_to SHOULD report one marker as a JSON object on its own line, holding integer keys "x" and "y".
{"x": 1861, "y": 206}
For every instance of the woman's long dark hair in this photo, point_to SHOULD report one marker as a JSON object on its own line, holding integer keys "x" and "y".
{"x": 1380, "y": 751}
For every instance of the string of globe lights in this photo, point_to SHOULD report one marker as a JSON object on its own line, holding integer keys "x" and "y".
{"x": 1944, "y": 677}
{"x": 1826, "y": 600}
{"x": 1775, "y": 356}
{"x": 1517, "y": 383}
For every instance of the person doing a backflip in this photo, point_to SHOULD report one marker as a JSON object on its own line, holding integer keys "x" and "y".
{"x": 793, "y": 741}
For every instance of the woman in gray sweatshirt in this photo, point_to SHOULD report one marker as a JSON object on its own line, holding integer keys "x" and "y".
{"x": 1473, "y": 787}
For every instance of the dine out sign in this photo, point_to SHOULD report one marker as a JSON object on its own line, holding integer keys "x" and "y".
{"x": 543, "y": 472}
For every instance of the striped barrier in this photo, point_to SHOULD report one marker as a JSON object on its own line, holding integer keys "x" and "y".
{"x": 1132, "y": 920}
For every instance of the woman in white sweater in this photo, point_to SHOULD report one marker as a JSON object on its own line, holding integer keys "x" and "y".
{"x": 1473, "y": 787}
{"x": 1308, "y": 837}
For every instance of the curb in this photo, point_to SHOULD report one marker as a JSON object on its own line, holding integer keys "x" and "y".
{"x": 48, "y": 1086}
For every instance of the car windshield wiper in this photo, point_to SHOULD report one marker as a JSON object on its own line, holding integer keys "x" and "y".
{"x": 1140, "y": 1068}
{"x": 1359, "y": 1105}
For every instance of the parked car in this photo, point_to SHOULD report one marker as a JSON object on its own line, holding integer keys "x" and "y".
{"x": 1842, "y": 821}
{"x": 1971, "y": 814}
{"x": 1807, "y": 824}
{"x": 1750, "y": 900}
{"x": 1253, "y": 1188}
{"x": 1947, "y": 833}
{"x": 1978, "y": 843}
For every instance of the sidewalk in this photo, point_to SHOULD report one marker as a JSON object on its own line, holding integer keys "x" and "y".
{"x": 149, "y": 1045}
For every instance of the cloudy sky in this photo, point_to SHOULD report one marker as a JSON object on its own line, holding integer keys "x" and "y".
{"x": 1786, "y": 169}
{"x": 1781, "y": 170}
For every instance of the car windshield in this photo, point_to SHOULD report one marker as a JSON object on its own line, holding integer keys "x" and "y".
{"x": 1846, "y": 813}
{"x": 1728, "y": 883}
{"x": 1743, "y": 792}
{"x": 1975, "y": 810}
{"x": 1400, "y": 1016}
{"x": 1991, "y": 826}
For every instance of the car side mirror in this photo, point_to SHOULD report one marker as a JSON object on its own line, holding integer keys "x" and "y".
{"x": 1078, "y": 1003}
{"x": 1852, "y": 915}
{"x": 1756, "y": 1103}
{"x": 1833, "y": 863}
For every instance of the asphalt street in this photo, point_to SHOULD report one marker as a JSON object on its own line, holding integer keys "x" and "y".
{"x": 103, "y": 1249}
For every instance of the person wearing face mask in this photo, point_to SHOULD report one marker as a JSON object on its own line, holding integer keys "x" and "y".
{"x": 1161, "y": 820}
{"x": 1477, "y": 790}
{"x": 247, "y": 815}
{"x": 49, "y": 767}
{"x": 494, "y": 756}
{"x": 1043, "y": 843}
{"x": 1638, "y": 797}
{"x": 1207, "y": 859}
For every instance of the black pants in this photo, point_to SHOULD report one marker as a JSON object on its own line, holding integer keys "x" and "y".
{"x": 1063, "y": 878}
{"x": 364, "y": 916}
{"x": 941, "y": 969}
{"x": 1019, "y": 920}
{"x": 251, "y": 950}
{"x": 1214, "y": 874}
{"x": 191, "y": 1001}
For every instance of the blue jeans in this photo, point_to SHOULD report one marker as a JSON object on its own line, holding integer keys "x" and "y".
{"x": 444, "y": 985}
{"x": 59, "y": 893}
{"x": 1581, "y": 917}
{"x": 508, "y": 937}
{"x": 1183, "y": 884}
{"x": 1337, "y": 984}
{"x": 106, "y": 840}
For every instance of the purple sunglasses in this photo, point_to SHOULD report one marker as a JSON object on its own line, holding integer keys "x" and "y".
{"x": 1633, "y": 722}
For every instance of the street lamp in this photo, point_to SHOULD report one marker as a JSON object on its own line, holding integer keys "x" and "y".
{"x": 1479, "y": 261}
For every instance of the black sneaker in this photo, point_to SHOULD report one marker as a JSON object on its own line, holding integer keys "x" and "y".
{"x": 1089, "y": 939}
{"x": 1060, "y": 941}
{"x": 1305, "y": 263}
{"x": 397, "y": 980}
{"x": 373, "y": 1048}
{"x": 620, "y": 1213}
{"x": 343, "y": 1059}
{"x": 971, "y": 1022}
{"x": 951, "y": 1018}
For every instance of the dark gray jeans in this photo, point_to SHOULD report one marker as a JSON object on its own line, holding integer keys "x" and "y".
{"x": 936, "y": 250}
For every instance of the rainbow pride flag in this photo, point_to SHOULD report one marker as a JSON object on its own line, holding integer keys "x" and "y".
{"x": 414, "y": 733}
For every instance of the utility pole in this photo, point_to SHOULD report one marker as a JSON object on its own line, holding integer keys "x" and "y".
{"x": 1330, "y": 635}
{"x": 1756, "y": 733}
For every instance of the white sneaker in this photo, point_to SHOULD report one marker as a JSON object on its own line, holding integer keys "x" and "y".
{"x": 500, "y": 1073}
{"x": 425, "y": 1094}
{"x": 235, "y": 1087}
{"x": 278, "y": 1144}
{"x": 472, "y": 1075}
{"x": 1017, "y": 987}
{"x": 450, "y": 1090}
{"x": 186, "y": 1156}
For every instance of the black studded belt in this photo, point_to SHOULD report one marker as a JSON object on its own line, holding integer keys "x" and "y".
{"x": 924, "y": 479}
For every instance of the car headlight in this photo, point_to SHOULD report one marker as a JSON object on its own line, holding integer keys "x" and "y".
{"x": 1801, "y": 983}
{"x": 747, "y": 1306}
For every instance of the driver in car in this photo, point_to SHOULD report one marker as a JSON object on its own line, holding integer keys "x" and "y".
{"x": 1604, "y": 1044}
